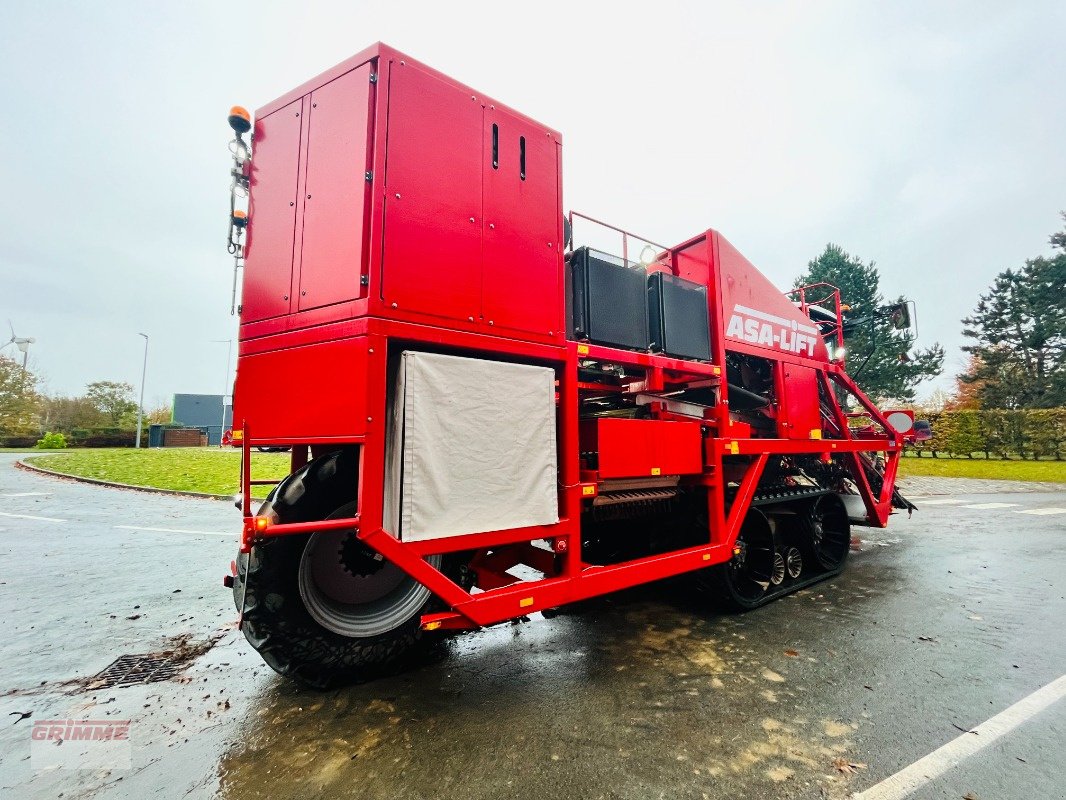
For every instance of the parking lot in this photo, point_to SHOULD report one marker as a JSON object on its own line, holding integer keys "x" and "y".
{"x": 940, "y": 623}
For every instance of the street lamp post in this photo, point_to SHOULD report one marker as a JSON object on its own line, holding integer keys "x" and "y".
{"x": 227, "y": 386}
{"x": 140, "y": 406}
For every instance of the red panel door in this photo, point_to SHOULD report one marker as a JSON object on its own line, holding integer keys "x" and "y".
{"x": 272, "y": 214}
{"x": 335, "y": 190}
{"x": 523, "y": 212}
{"x": 432, "y": 245}
{"x": 802, "y": 413}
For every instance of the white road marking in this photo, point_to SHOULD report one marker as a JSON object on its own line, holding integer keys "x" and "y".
{"x": 940, "y": 501}
{"x": 175, "y": 530}
{"x": 924, "y": 770}
{"x": 31, "y": 516}
{"x": 26, "y": 494}
{"x": 1041, "y": 512}
{"x": 983, "y": 506}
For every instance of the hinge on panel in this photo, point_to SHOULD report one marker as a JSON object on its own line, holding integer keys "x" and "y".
{"x": 364, "y": 280}
{"x": 369, "y": 175}
{"x": 373, "y": 77}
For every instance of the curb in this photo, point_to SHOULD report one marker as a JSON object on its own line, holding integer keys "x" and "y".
{"x": 20, "y": 464}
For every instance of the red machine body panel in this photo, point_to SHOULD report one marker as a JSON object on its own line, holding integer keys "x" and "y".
{"x": 407, "y": 236}
{"x": 799, "y": 414}
{"x": 269, "y": 253}
{"x": 433, "y": 202}
{"x": 630, "y": 448}
{"x": 757, "y": 314}
{"x": 522, "y": 219}
{"x": 335, "y": 193}
{"x": 329, "y": 402}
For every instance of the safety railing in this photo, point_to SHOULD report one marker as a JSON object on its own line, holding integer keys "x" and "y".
{"x": 660, "y": 253}
{"x": 836, "y": 328}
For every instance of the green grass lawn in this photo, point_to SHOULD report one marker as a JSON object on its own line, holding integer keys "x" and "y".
{"x": 208, "y": 470}
{"x": 215, "y": 471}
{"x": 993, "y": 469}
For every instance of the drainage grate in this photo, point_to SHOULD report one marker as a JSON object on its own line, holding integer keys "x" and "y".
{"x": 136, "y": 670}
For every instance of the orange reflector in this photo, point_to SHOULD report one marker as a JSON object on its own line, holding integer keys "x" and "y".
{"x": 588, "y": 490}
{"x": 582, "y": 349}
{"x": 431, "y": 626}
{"x": 525, "y": 602}
{"x": 237, "y": 436}
{"x": 736, "y": 551}
{"x": 706, "y": 556}
{"x": 261, "y": 523}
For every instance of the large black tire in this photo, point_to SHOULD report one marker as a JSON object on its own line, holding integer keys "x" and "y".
{"x": 743, "y": 582}
{"x": 775, "y": 561}
{"x": 828, "y": 533}
{"x": 275, "y": 617}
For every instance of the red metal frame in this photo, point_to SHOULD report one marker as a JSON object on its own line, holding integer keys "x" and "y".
{"x": 836, "y": 330}
{"x": 317, "y": 378}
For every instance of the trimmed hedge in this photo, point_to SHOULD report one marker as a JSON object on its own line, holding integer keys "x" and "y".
{"x": 1026, "y": 433}
{"x": 12, "y": 440}
{"x": 97, "y": 437}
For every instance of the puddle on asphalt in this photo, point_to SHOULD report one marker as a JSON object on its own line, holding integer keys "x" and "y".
{"x": 629, "y": 694}
{"x": 633, "y": 697}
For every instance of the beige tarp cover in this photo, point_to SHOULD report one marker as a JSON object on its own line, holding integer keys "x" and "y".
{"x": 471, "y": 447}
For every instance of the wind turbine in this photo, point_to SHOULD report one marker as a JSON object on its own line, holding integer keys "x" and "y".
{"x": 21, "y": 342}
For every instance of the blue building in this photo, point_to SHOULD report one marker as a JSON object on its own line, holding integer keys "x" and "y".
{"x": 203, "y": 411}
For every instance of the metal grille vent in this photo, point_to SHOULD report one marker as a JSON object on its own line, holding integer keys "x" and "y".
{"x": 136, "y": 670}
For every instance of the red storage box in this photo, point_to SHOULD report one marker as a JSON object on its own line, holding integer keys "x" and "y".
{"x": 629, "y": 448}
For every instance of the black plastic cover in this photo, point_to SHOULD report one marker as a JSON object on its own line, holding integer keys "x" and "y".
{"x": 609, "y": 301}
{"x": 677, "y": 317}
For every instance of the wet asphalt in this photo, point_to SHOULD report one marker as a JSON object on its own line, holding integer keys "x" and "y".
{"x": 939, "y": 623}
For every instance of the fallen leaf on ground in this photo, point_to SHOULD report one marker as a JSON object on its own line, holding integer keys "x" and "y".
{"x": 969, "y": 796}
{"x": 846, "y": 767}
{"x": 791, "y": 652}
{"x": 926, "y": 639}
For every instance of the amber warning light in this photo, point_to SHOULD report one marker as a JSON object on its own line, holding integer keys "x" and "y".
{"x": 240, "y": 120}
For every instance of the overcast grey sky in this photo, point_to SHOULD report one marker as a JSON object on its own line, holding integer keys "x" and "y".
{"x": 928, "y": 137}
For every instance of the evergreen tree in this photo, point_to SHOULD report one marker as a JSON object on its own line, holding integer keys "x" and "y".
{"x": 1019, "y": 333}
{"x": 892, "y": 370}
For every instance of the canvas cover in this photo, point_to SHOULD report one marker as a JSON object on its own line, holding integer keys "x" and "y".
{"x": 471, "y": 447}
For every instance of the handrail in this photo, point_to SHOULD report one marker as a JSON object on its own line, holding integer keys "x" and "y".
{"x": 626, "y": 235}
{"x": 804, "y": 304}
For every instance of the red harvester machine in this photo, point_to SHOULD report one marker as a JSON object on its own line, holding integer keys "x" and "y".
{"x": 486, "y": 421}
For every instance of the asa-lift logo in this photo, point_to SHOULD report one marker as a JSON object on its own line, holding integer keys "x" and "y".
{"x": 769, "y": 330}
